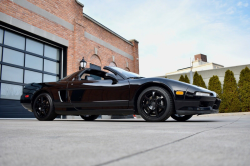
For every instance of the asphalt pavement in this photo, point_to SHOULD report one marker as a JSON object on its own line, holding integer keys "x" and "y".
{"x": 203, "y": 140}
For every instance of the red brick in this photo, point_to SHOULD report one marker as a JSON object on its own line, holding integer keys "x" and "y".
{"x": 79, "y": 46}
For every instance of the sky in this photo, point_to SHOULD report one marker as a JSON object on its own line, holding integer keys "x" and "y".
{"x": 171, "y": 32}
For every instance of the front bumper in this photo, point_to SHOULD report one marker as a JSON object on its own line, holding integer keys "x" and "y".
{"x": 199, "y": 106}
{"x": 199, "y": 111}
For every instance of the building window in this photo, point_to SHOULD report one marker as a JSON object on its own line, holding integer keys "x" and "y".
{"x": 13, "y": 57}
{"x": 10, "y": 91}
{"x": 25, "y": 60}
{"x": 51, "y": 52}
{"x": 1, "y": 36}
{"x": 33, "y": 62}
{"x": 12, "y": 74}
{"x": 34, "y": 47}
{"x": 0, "y": 54}
{"x": 14, "y": 40}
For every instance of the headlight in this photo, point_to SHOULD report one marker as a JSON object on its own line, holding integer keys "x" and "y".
{"x": 202, "y": 94}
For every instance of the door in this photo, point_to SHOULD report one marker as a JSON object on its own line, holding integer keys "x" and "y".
{"x": 90, "y": 95}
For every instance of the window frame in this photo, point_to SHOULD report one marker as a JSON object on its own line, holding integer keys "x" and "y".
{"x": 90, "y": 71}
{"x": 3, "y": 46}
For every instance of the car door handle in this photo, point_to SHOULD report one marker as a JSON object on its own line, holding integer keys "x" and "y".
{"x": 72, "y": 84}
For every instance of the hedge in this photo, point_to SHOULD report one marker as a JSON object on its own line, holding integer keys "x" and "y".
{"x": 230, "y": 97}
{"x": 187, "y": 79}
{"x": 244, "y": 89}
{"x": 182, "y": 79}
{"x": 198, "y": 80}
{"x": 214, "y": 84}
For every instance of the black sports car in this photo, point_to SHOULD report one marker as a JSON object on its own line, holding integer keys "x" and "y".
{"x": 90, "y": 93}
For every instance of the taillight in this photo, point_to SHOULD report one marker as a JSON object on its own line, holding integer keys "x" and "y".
{"x": 27, "y": 96}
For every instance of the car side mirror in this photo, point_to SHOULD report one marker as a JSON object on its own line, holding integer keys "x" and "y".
{"x": 112, "y": 77}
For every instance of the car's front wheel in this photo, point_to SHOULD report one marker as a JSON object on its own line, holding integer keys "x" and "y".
{"x": 155, "y": 104}
{"x": 181, "y": 118}
{"x": 43, "y": 107}
{"x": 89, "y": 117}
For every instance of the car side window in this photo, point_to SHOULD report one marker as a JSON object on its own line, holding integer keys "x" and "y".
{"x": 84, "y": 76}
{"x": 91, "y": 76}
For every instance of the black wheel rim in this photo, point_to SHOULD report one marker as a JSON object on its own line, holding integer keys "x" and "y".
{"x": 153, "y": 104}
{"x": 42, "y": 106}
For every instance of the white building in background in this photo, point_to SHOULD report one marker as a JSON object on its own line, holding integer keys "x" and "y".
{"x": 200, "y": 63}
{"x": 206, "y": 70}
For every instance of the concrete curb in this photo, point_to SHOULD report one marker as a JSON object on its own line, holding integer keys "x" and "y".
{"x": 227, "y": 114}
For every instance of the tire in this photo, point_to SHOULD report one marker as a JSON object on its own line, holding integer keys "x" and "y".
{"x": 181, "y": 118}
{"x": 43, "y": 107}
{"x": 155, "y": 104}
{"x": 89, "y": 117}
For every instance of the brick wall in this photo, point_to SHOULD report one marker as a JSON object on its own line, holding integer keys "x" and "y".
{"x": 79, "y": 46}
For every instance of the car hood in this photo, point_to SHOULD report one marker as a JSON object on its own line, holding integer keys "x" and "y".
{"x": 175, "y": 85}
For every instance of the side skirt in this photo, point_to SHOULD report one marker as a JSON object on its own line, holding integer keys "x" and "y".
{"x": 98, "y": 112}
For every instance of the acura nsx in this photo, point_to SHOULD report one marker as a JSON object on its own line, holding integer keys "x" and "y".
{"x": 89, "y": 93}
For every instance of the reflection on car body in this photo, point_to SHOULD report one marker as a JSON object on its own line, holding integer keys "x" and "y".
{"x": 117, "y": 92}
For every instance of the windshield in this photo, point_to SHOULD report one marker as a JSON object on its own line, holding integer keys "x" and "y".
{"x": 127, "y": 73}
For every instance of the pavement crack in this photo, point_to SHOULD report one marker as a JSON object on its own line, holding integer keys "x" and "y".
{"x": 164, "y": 145}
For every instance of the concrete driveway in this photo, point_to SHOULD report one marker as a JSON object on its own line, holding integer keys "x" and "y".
{"x": 203, "y": 140}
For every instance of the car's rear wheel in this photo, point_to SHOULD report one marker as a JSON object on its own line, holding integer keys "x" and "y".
{"x": 89, "y": 117}
{"x": 43, "y": 108}
{"x": 155, "y": 104}
{"x": 181, "y": 118}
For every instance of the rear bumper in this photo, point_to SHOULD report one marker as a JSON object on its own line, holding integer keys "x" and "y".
{"x": 26, "y": 102}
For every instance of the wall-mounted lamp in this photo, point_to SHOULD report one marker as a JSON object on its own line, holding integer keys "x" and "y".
{"x": 83, "y": 64}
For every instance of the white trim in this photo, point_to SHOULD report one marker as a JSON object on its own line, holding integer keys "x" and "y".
{"x": 107, "y": 45}
{"x": 79, "y": 3}
{"x": 44, "y": 13}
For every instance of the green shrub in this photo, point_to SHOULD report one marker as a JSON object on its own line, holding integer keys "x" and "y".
{"x": 244, "y": 89}
{"x": 198, "y": 80}
{"x": 182, "y": 79}
{"x": 214, "y": 84}
{"x": 187, "y": 79}
{"x": 202, "y": 83}
{"x": 230, "y": 98}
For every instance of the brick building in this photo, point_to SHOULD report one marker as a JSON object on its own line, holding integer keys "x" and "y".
{"x": 42, "y": 41}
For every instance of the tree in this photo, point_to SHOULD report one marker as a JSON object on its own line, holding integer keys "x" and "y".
{"x": 214, "y": 84}
{"x": 230, "y": 98}
{"x": 187, "y": 79}
{"x": 182, "y": 79}
{"x": 202, "y": 83}
{"x": 198, "y": 80}
{"x": 166, "y": 76}
{"x": 244, "y": 89}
